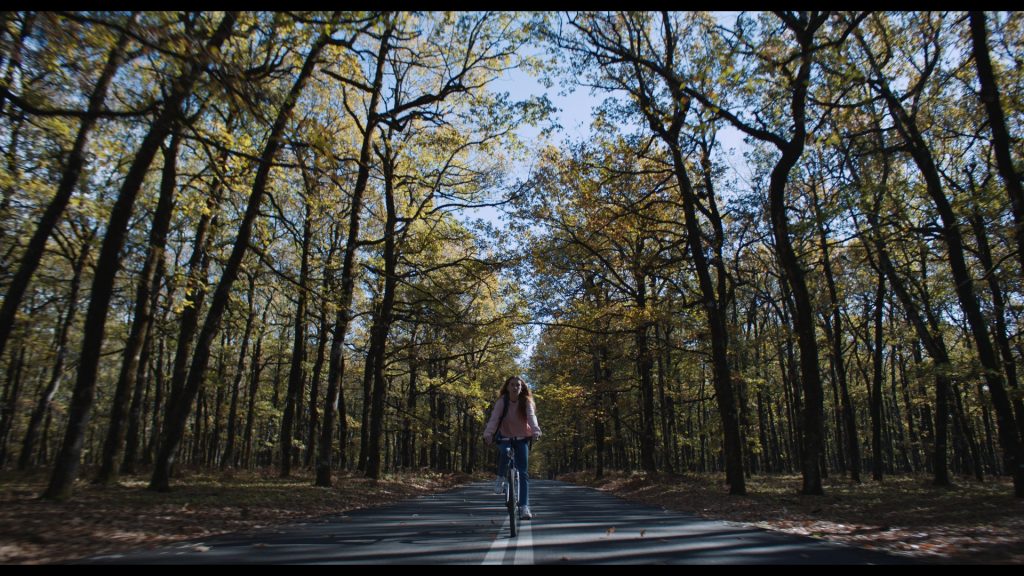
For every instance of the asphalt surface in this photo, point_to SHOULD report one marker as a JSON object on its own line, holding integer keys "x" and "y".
{"x": 469, "y": 525}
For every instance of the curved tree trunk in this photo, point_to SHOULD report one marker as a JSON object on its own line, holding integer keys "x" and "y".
{"x": 803, "y": 317}
{"x": 336, "y": 367}
{"x": 106, "y": 267}
{"x": 713, "y": 308}
{"x": 117, "y": 428}
{"x": 181, "y": 407}
{"x": 1009, "y": 435}
{"x": 997, "y": 123}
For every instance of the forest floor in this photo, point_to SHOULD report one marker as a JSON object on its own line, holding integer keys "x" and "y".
{"x": 103, "y": 520}
{"x": 969, "y": 523}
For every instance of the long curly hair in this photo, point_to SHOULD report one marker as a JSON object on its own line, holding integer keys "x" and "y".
{"x": 523, "y": 393}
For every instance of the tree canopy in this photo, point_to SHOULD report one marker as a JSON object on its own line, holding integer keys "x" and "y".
{"x": 251, "y": 239}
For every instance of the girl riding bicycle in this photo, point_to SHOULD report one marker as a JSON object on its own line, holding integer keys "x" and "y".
{"x": 514, "y": 420}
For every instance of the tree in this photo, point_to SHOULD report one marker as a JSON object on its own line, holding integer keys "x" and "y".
{"x": 179, "y": 409}
{"x": 997, "y": 123}
{"x": 336, "y": 366}
{"x": 72, "y": 171}
{"x": 117, "y": 428}
{"x": 654, "y": 74}
{"x": 788, "y": 135}
{"x": 906, "y": 124}
{"x": 106, "y": 267}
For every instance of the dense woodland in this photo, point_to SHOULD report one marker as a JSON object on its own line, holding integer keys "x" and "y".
{"x": 246, "y": 240}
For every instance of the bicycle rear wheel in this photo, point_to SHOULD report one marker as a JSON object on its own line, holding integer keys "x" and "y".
{"x": 512, "y": 499}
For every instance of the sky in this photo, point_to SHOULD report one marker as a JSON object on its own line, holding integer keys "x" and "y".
{"x": 574, "y": 114}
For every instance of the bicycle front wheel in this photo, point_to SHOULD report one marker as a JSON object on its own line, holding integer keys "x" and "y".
{"x": 512, "y": 500}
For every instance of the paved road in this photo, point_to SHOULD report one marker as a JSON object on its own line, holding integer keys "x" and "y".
{"x": 469, "y": 525}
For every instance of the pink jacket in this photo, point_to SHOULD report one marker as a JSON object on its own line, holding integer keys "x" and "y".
{"x": 513, "y": 425}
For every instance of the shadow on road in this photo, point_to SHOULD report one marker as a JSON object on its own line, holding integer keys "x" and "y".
{"x": 574, "y": 524}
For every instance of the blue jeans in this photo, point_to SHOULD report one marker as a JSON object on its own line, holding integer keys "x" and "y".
{"x": 521, "y": 453}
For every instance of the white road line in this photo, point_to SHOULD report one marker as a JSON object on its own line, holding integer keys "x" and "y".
{"x": 524, "y": 543}
{"x": 497, "y": 552}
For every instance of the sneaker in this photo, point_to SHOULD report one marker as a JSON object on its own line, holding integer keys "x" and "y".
{"x": 524, "y": 513}
{"x": 499, "y": 485}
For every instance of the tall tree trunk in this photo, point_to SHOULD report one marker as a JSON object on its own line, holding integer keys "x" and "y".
{"x": 908, "y": 407}
{"x": 15, "y": 376}
{"x": 803, "y": 26}
{"x": 1009, "y": 433}
{"x": 408, "y": 439}
{"x": 132, "y": 439}
{"x": 663, "y": 400}
{"x": 195, "y": 296}
{"x": 645, "y": 366}
{"x": 117, "y": 427}
{"x": 714, "y": 309}
{"x": 213, "y": 445}
{"x": 109, "y": 261}
{"x": 336, "y": 368}
{"x": 295, "y": 373}
{"x": 999, "y": 314}
{"x": 968, "y": 434}
{"x": 835, "y": 329}
{"x": 368, "y": 366}
{"x": 382, "y": 326}
{"x": 254, "y": 382}
{"x": 236, "y": 383}
{"x": 876, "y": 384}
{"x": 158, "y": 395}
{"x": 597, "y": 354}
{"x": 1001, "y": 141}
{"x": 42, "y": 408}
{"x": 803, "y": 318}
{"x": 897, "y": 418}
{"x": 180, "y": 411}
{"x": 933, "y": 342}
{"x": 323, "y": 336}
{"x": 669, "y": 130}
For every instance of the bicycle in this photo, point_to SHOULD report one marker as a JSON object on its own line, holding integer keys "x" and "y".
{"x": 511, "y": 485}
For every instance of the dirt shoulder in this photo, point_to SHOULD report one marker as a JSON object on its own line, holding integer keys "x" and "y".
{"x": 103, "y": 520}
{"x": 976, "y": 523}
